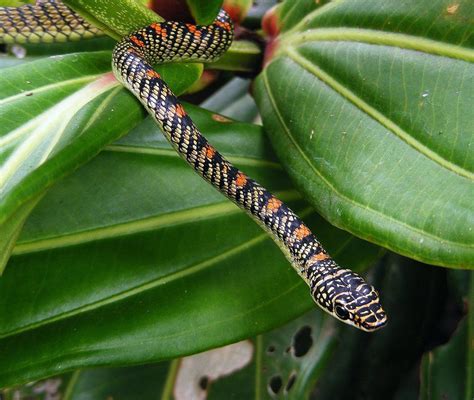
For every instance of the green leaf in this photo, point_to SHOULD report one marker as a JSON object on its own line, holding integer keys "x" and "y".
{"x": 243, "y": 56}
{"x": 444, "y": 370}
{"x": 204, "y": 11}
{"x": 134, "y": 259}
{"x": 285, "y": 364}
{"x": 293, "y": 355}
{"x": 233, "y": 101}
{"x": 447, "y": 372}
{"x": 180, "y": 77}
{"x": 14, "y": 3}
{"x": 51, "y": 49}
{"x": 115, "y": 18}
{"x": 12, "y": 228}
{"x": 57, "y": 113}
{"x": 139, "y": 382}
{"x": 368, "y": 105}
{"x": 289, "y": 360}
{"x": 33, "y": 51}
{"x": 290, "y": 13}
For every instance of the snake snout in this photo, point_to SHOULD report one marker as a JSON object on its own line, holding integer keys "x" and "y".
{"x": 376, "y": 319}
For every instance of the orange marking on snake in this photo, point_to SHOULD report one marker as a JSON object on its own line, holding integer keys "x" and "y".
{"x": 210, "y": 151}
{"x": 180, "y": 110}
{"x": 152, "y": 74}
{"x": 273, "y": 204}
{"x": 240, "y": 180}
{"x": 192, "y": 28}
{"x": 302, "y": 231}
{"x": 224, "y": 25}
{"x": 137, "y": 41}
{"x": 159, "y": 29}
{"x": 319, "y": 257}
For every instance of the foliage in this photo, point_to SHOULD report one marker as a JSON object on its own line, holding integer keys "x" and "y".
{"x": 118, "y": 254}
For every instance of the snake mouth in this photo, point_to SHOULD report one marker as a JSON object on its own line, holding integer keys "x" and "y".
{"x": 374, "y": 322}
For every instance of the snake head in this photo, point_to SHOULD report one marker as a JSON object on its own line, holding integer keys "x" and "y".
{"x": 359, "y": 305}
{"x": 345, "y": 295}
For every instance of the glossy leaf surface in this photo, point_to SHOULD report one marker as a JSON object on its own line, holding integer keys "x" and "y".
{"x": 316, "y": 349}
{"x": 369, "y": 107}
{"x": 56, "y": 113}
{"x": 293, "y": 355}
{"x": 134, "y": 259}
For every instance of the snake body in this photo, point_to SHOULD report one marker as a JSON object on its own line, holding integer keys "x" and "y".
{"x": 340, "y": 292}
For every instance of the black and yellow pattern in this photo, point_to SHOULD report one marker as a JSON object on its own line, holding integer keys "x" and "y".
{"x": 338, "y": 291}
{"x": 47, "y": 21}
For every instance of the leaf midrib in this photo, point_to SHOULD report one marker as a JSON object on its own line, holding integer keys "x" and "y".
{"x": 52, "y": 86}
{"x": 186, "y": 271}
{"x": 342, "y": 196}
{"x": 139, "y": 226}
{"x": 154, "y": 339}
{"x": 391, "y": 126}
{"x": 377, "y": 37}
{"x": 169, "y": 152}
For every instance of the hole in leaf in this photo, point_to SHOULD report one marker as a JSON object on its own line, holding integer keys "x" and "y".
{"x": 291, "y": 382}
{"x": 204, "y": 382}
{"x": 270, "y": 349}
{"x": 302, "y": 341}
{"x": 275, "y": 384}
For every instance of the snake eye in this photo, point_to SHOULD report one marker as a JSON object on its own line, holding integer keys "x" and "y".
{"x": 341, "y": 311}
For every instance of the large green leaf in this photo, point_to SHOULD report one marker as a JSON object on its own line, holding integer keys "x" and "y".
{"x": 56, "y": 113}
{"x": 368, "y": 105}
{"x": 344, "y": 363}
{"x": 135, "y": 259}
{"x": 130, "y": 383}
{"x": 289, "y": 359}
{"x": 140, "y": 382}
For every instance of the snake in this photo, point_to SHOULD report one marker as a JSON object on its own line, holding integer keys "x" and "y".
{"x": 341, "y": 292}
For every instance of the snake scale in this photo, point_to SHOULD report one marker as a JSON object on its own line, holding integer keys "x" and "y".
{"x": 340, "y": 292}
